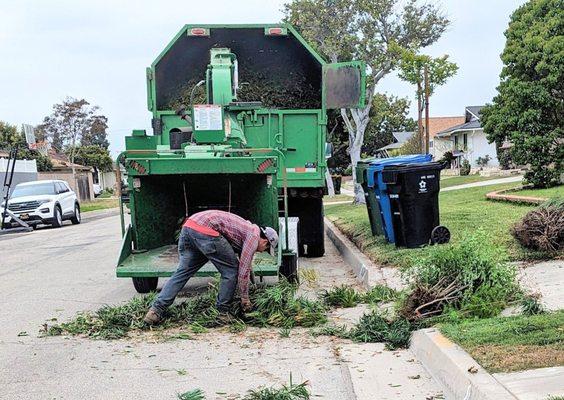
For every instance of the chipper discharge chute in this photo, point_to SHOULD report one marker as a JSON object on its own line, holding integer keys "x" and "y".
{"x": 239, "y": 124}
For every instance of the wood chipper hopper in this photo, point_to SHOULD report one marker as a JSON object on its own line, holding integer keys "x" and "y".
{"x": 239, "y": 124}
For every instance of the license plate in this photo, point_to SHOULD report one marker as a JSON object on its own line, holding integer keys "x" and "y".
{"x": 24, "y": 216}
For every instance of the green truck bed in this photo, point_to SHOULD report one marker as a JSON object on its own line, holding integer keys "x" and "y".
{"x": 163, "y": 261}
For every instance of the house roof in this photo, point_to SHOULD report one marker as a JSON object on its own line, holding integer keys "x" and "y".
{"x": 439, "y": 124}
{"x": 400, "y": 137}
{"x": 61, "y": 161}
{"x": 471, "y": 122}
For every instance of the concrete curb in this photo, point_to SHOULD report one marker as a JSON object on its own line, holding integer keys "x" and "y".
{"x": 98, "y": 214}
{"x": 367, "y": 273}
{"x": 449, "y": 365}
{"x": 502, "y": 195}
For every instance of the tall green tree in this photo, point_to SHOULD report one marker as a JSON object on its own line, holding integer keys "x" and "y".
{"x": 93, "y": 156}
{"x": 529, "y": 107}
{"x": 70, "y": 122}
{"x": 368, "y": 30}
{"x": 412, "y": 69}
{"x": 11, "y": 137}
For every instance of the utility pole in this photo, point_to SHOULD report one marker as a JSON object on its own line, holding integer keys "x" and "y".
{"x": 419, "y": 117}
{"x": 426, "y": 110}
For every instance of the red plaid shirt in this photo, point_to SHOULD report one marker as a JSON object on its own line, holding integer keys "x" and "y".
{"x": 243, "y": 235}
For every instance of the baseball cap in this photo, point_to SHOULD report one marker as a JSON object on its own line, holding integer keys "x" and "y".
{"x": 272, "y": 237}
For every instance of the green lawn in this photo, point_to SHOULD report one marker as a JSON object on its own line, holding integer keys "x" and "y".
{"x": 99, "y": 204}
{"x": 512, "y": 343}
{"x": 337, "y": 197}
{"x": 448, "y": 181}
{"x": 462, "y": 211}
{"x": 551, "y": 193}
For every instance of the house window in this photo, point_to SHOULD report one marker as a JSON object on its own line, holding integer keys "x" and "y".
{"x": 456, "y": 142}
{"x": 465, "y": 141}
{"x": 431, "y": 144}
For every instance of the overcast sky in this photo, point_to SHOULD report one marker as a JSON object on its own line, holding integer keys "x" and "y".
{"x": 98, "y": 50}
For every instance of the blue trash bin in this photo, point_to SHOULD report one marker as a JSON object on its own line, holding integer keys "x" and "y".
{"x": 376, "y": 183}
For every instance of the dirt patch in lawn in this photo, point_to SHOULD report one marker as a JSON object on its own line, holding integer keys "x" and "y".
{"x": 502, "y": 358}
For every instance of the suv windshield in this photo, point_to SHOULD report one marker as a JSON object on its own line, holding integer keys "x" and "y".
{"x": 33, "y": 190}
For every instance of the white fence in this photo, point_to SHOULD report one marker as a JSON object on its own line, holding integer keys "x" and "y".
{"x": 29, "y": 166}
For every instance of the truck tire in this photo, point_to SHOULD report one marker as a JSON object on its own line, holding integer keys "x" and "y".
{"x": 307, "y": 205}
{"x": 57, "y": 217}
{"x": 145, "y": 285}
{"x": 76, "y": 218}
{"x": 316, "y": 250}
{"x": 289, "y": 268}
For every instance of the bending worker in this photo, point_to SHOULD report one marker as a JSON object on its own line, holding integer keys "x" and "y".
{"x": 215, "y": 236}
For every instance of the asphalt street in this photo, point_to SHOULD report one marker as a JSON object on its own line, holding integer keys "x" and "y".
{"x": 55, "y": 273}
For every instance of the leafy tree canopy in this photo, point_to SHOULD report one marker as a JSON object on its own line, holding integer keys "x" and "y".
{"x": 11, "y": 137}
{"x": 93, "y": 156}
{"x": 528, "y": 109}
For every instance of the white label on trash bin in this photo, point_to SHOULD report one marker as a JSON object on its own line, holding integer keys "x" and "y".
{"x": 422, "y": 186}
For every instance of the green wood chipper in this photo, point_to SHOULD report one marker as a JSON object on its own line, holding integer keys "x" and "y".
{"x": 239, "y": 124}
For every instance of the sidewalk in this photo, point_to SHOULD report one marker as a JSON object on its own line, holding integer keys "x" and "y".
{"x": 510, "y": 179}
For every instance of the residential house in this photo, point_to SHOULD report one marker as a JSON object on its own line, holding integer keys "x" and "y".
{"x": 62, "y": 169}
{"x": 467, "y": 140}
{"x": 439, "y": 124}
{"x": 400, "y": 138}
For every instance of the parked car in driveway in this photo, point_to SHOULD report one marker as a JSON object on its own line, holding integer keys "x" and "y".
{"x": 43, "y": 202}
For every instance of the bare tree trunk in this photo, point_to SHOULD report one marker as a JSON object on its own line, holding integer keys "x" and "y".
{"x": 426, "y": 111}
{"x": 361, "y": 118}
{"x": 329, "y": 182}
{"x": 419, "y": 116}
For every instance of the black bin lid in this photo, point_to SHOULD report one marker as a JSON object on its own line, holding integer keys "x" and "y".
{"x": 390, "y": 173}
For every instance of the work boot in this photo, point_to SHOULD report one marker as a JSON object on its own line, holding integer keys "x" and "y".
{"x": 225, "y": 318}
{"x": 152, "y": 317}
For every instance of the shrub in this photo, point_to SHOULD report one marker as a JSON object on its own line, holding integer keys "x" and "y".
{"x": 483, "y": 161}
{"x": 472, "y": 275}
{"x": 465, "y": 167}
{"x": 542, "y": 228}
{"x": 448, "y": 158}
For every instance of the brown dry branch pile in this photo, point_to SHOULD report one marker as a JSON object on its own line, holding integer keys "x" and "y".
{"x": 543, "y": 228}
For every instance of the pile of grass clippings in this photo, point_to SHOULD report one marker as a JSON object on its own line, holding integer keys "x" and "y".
{"x": 341, "y": 296}
{"x": 195, "y": 394}
{"x": 276, "y": 306}
{"x": 542, "y": 228}
{"x": 279, "y": 306}
{"x": 346, "y": 296}
{"x": 289, "y": 392}
{"x": 286, "y": 392}
{"x": 373, "y": 327}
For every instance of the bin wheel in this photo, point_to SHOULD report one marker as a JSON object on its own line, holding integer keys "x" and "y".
{"x": 145, "y": 285}
{"x": 440, "y": 235}
{"x": 289, "y": 268}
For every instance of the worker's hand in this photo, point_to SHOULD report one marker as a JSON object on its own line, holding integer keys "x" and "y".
{"x": 246, "y": 305}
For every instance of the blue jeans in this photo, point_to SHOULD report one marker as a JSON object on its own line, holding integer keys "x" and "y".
{"x": 194, "y": 250}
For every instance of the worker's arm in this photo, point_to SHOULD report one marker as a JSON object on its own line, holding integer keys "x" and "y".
{"x": 245, "y": 263}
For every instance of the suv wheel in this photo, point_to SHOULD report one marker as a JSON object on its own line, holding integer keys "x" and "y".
{"x": 76, "y": 217}
{"x": 57, "y": 217}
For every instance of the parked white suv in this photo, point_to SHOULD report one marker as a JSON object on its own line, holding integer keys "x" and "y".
{"x": 43, "y": 202}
